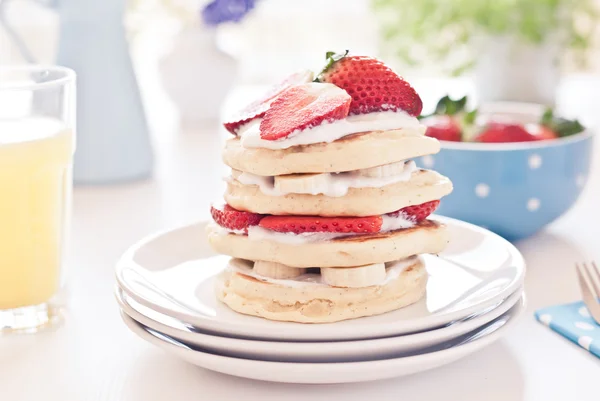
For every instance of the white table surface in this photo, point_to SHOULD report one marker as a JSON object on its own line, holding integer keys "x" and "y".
{"x": 94, "y": 357}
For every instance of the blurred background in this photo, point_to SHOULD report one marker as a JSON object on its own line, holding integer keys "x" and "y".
{"x": 155, "y": 77}
{"x": 188, "y": 64}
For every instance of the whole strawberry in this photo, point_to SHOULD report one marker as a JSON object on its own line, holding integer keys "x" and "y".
{"x": 372, "y": 85}
{"x": 500, "y": 132}
{"x": 443, "y": 128}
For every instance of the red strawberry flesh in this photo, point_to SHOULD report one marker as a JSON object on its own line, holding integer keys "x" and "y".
{"x": 540, "y": 131}
{"x": 417, "y": 213}
{"x": 373, "y": 86}
{"x": 304, "y": 106}
{"x": 233, "y": 219}
{"x": 497, "y": 132}
{"x": 258, "y": 108}
{"x": 443, "y": 128}
{"x": 315, "y": 224}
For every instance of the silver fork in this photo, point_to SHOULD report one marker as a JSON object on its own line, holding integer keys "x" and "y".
{"x": 589, "y": 281}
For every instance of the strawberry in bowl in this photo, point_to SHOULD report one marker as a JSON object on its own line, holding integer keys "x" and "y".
{"x": 452, "y": 122}
{"x": 516, "y": 167}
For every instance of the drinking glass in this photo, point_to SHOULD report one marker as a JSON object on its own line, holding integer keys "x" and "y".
{"x": 37, "y": 142}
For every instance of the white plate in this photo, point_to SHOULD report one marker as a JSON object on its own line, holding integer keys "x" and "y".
{"x": 339, "y": 351}
{"x": 333, "y": 372}
{"x": 168, "y": 272}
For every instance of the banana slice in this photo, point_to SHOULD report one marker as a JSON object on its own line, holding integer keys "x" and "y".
{"x": 354, "y": 277}
{"x": 387, "y": 170}
{"x": 302, "y": 183}
{"x": 277, "y": 270}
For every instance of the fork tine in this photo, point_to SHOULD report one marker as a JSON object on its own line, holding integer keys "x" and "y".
{"x": 589, "y": 276}
{"x": 595, "y": 278}
{"x": 583, "y": 284}
{"x": 589, "y": 298}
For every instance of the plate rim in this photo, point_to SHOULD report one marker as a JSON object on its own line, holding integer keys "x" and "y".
{"x": 254, "y": 330}
{"x": 320, "y": 348}
{"x": 392, "y": 365}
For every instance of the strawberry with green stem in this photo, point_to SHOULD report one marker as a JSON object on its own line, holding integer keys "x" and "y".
{"x": 450, "y": 121}
{"x": 374, "y": 87}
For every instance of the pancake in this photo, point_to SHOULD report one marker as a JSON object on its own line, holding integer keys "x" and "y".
{"x": 426, "y": 237}
{"x": 424, "y": 186}
{"x": 319, "y": 304}
{"x": 352, "y": 152}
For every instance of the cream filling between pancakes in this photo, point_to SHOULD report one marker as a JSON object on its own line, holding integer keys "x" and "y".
{"x": 334, "y": 185}
{"x": 392, "y": 269}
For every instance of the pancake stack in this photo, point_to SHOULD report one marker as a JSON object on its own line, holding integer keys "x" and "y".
{"x": 326, "y": 212}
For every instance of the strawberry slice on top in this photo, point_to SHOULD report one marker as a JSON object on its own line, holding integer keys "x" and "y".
{"x": 315, "y": 224}
{"x": 372, "y": 85}
{"x": 258, "y": 108}
{"x": 304, "y": 106}
{"x": 417, "y": 213}
{"x": 233, "y": 219}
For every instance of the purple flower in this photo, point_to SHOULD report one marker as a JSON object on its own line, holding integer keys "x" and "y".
{"x": 219, "y": 11}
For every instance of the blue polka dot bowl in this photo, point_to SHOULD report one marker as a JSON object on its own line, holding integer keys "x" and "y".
{"x": 513, "y": 189}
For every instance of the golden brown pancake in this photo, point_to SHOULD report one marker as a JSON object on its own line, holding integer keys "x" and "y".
{"x": 427, "y": 237}
{"x": 323, "y": 304}
{"x": 352, "y": 152}
{"x": 424, "y": 186}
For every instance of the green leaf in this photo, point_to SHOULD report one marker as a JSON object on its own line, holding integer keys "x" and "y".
{"x": 561, "y": 126}
{"x": 441, "y": 106}
{"x": 460, "y": 104}
{"x": 547, "y": 117}
{"x": 450, "y": 107}
{"x": 470, "y": 117}
{"x": 331, "y": 58}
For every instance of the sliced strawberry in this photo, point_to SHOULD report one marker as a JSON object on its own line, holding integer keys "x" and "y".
{"x": 315, "y": 224}
{"x": 417, "y": 213}
{"x": 444, "y": 128}
{"x": 259, "y": 107}
{"x": 372, "y": 85}
{"x": 304, "y": 106}
{"x": 497, "y": 132}
{"x": 234, "y": 219}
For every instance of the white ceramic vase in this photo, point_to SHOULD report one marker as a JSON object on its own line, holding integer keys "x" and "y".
{"x": 508, "y": 69}
{"x": 113, "y": 141}
{"x": 197, "y": 75}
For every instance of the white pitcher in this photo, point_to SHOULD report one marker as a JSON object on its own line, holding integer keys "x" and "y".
{"x": 112, "y": 135}
{"x": 113, "y": 144}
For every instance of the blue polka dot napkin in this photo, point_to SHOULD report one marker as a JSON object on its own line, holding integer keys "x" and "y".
{"x": 572, "y": 321}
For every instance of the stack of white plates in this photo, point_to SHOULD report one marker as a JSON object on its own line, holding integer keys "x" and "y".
{"x": 474, "y": 294}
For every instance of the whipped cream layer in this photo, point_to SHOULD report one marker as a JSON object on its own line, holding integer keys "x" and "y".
{"x": 328, "y": 132}
{"x": 392, "y": 270}
{"x": 257, "y": 233}
{"x": 334, "y": 185}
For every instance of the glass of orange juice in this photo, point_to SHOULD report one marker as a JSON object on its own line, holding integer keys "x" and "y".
{"x": 37, "y": 142}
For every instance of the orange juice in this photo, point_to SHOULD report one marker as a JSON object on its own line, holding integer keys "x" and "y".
{"x": 35, "y": 186}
